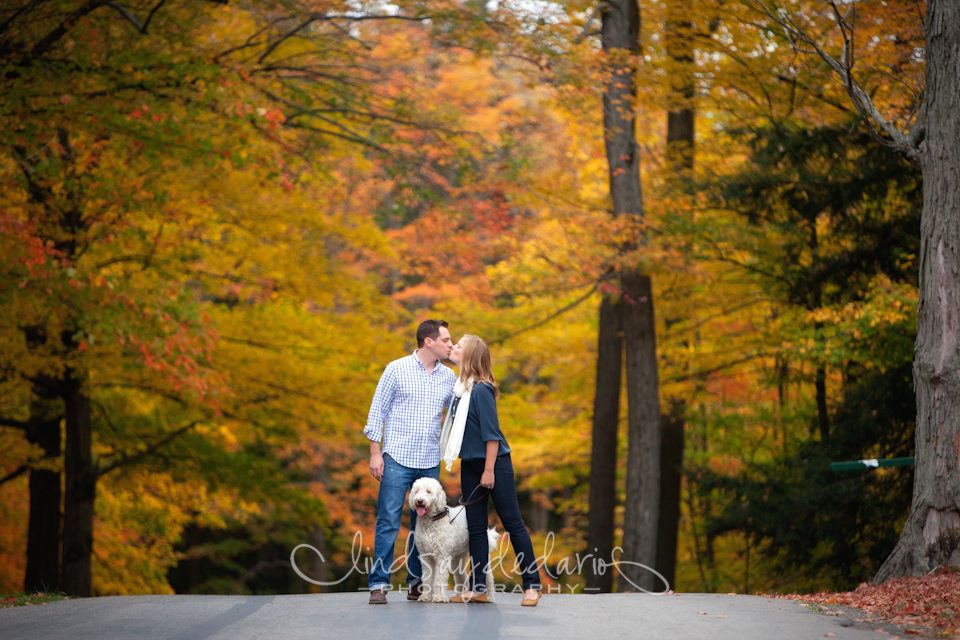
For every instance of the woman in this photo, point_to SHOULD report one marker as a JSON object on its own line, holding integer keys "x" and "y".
{"x": 486, "y": 469}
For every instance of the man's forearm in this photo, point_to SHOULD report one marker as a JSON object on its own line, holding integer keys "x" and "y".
{"x": 374, "y": 448}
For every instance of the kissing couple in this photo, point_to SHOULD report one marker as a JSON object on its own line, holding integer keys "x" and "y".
{"x": 404, "y": 427}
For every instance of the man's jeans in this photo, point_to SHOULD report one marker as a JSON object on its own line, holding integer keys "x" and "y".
{"x": 397, "y": 479}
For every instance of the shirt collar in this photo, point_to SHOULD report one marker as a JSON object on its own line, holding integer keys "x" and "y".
{"x": 420, "y": 364}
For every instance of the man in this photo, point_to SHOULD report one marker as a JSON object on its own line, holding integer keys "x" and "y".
{"x": 406, "y": 415}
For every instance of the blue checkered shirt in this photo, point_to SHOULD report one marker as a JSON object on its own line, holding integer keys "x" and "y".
{"x": 410, "y": 403}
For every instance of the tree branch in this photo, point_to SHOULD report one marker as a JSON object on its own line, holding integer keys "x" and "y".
{"x": 16, "y": 14}
{"x": 150, "y": 17}
{"x": 898, "y": 140}
{"x": 129, "y": 17}
{"x": 61, "y": 30}
{"x": 552, "y": 316}
{"x": 22, "y": 469}
{"x": 146, "y": 452}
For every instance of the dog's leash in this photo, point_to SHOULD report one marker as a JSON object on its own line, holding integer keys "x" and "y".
{"x": 469, "y": 501}
{"x": 477, "y": 499}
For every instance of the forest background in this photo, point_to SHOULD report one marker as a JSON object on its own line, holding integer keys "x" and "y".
{"x": 221, "y": 220}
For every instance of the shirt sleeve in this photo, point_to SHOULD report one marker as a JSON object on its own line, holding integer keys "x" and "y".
{"x": 486, "y": 405}
{"x": 380, "y": 407}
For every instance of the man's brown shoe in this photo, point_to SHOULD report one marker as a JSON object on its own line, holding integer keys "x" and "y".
{"x": 378, "y": 596}
{"x": 415, "y": 591}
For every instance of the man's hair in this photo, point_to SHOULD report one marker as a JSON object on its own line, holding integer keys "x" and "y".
{"x": 429, "y": 329}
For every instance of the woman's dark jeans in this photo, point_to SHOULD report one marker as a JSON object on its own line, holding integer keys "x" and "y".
{"x": 504, "y": 496}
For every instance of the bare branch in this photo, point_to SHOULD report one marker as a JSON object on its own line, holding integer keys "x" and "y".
{"x": 153, "y": 11}
{"x": 601, "y": 6}
{"x": 129, "y": 17}
{"x": 905, "y": 144}
{"x": 303, "y": 25}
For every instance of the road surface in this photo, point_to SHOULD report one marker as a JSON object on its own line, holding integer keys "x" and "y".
{"x": 347, "y": 615}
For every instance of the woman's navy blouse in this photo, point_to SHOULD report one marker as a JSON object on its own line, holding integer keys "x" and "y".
{"x": 482, "y": 424}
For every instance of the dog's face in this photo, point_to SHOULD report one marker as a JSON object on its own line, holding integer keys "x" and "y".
{"x": 427, "y": 497}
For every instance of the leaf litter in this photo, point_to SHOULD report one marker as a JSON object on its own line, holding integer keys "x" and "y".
{"x": 924, "y": 605}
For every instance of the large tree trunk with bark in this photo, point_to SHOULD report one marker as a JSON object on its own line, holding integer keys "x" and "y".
{"x": 931, "y": 535}
{"x": 641, "y": 507}
{"x": 80, "y": 490}
{"x": 43, "y": 528}
{"x": 620, "y": 36}
{"x": 603, "y": 456}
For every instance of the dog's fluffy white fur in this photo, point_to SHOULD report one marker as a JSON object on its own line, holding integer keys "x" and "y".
{"x": 443, "y": 543}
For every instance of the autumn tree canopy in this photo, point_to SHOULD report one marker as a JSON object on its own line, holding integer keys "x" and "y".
{"x": 218, "y": 221}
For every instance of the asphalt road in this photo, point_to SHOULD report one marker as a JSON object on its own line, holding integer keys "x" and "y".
{"x": 347, "y": 615}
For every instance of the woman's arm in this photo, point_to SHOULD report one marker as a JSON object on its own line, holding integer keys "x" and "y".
{"x": 486, "y": 480}
{"x": 486, "y": 403}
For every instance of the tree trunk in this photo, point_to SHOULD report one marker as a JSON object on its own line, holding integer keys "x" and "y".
{"x": 823, "y": 418}
{"x": 81, "y": 481}
{"x": 603, "y": 456}
{"x": 320, "y": 569}
{"x": 931, "y": 535}
{"x": 681, "y": 115}
{"x": 620, "y": 35}
{"x": 43, "y": 529}
{"x": 679, "y": 160}
{"x": 642, "y": 501}
{"x": 671, "y": 468}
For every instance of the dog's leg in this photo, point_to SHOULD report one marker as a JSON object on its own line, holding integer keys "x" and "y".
{"x": 490, "y": 585}
{"x": 460, "y": 574}
{"x": 439, "y": 591}
{"x": 427, "y": 564}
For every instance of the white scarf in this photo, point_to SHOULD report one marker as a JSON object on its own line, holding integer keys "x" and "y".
{"x": 451, "y": 436}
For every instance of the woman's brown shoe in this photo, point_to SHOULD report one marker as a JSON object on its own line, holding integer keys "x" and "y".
{"x": 482, "y": 597}
{"x": 531, "y": 602}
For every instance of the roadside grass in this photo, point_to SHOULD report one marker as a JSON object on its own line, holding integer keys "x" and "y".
{"x": 26, "y": 599}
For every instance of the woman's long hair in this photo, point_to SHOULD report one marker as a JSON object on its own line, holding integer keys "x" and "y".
{"x": 475, "y": 362}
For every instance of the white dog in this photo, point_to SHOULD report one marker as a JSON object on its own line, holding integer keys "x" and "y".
{"x": 443, "y": 542}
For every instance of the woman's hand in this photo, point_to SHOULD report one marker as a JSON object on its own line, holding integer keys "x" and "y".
{"x": 486, "y": 480}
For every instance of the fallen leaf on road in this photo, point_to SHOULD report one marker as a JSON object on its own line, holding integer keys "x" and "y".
{"x": 703, "y": 613}
{"x": 881, "y": 631}
{"x": 829, "y": 635}
{"x": 731, "y": 594}
{"x": 721, "y": 616}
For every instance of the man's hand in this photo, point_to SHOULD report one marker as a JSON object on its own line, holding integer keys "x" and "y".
{"x": 376, "y": 461}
